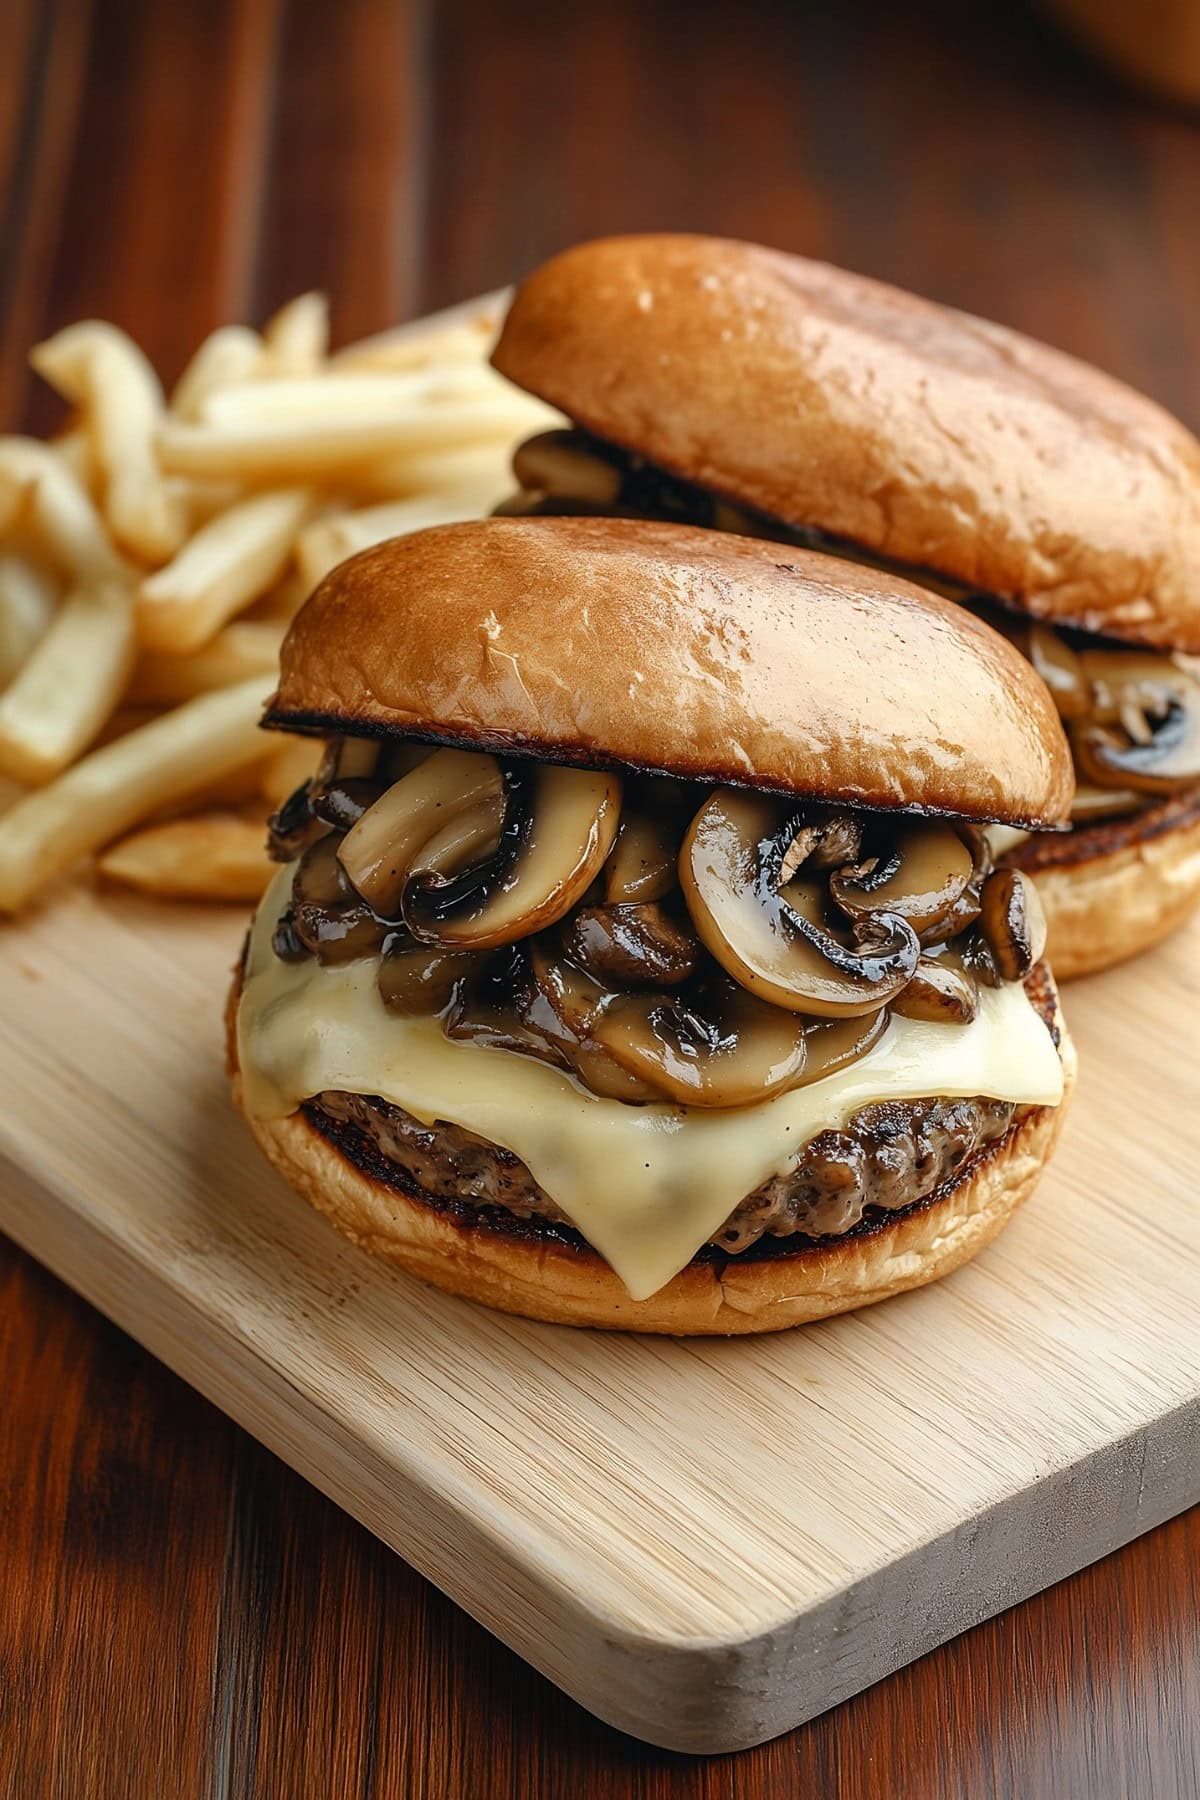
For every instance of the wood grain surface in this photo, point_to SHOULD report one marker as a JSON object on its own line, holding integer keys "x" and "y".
{"x": 179, "y": 1614}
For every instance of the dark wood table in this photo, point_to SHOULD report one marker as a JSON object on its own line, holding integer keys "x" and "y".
{"x": 179, "y": 1614}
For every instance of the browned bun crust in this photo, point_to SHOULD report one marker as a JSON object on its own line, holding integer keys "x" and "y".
{"x": 719, "y": 658}
{"x": 927, "y": 436}
{"x": 541, "y": 1277}
{"x": 1116, "y": 889}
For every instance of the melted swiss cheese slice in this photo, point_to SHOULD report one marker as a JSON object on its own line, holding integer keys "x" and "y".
{"x": 645, "y": 1185}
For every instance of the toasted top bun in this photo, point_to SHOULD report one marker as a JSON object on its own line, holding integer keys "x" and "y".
{"x": 629, "y": 643}
{"x": 927, "y": 436}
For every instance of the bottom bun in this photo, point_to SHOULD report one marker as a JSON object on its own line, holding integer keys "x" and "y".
{"x": 1115, "y": 889}
{"x": 532, "y": 1271}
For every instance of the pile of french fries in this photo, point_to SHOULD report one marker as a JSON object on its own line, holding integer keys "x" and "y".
{"x": 153, "y": 553}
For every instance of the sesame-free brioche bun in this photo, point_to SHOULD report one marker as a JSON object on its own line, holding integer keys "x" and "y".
{"x": 629, "y": 643}
{"x": 1115, "y": 889}
{"x": 534, "y": 1273}
{"x": 924, "y": 435}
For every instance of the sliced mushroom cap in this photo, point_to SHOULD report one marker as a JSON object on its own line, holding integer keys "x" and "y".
{"x": 293, "y": 826}
{"x": 341, "y": 788}
{"x": 778, "y": 942}
{"x": 570, "y": 466}
{"x": 565, "y": 1005}
{"x": 416, "y": 980}
{"x": 497, "y": 1028}
{"x": 1062, "y": 671}
{"x": 284, "y": 941}
{"x": 960, "y": 918}
{"x": 1126, "y": 684}
{"x": 341, "y": 935}
{"x": 632, "y": 946}
{"x": 644, "y": 862}
{"x": 1143, "y": 731}
{"x": 573, "y": 996}
{"x": 491, "y": 1008}
{"x": 978, "y": 842}
{"x": 940, "y": 993}
{"x": 972, "y": 953}
{"x": 1013, "y": 922}
{"x": 921, "y": 872}
{"x": 559, "y": 827}
{"x": 835, "y": 1043}
{"x": 1171, "y": 759}
{"x": 721, "y": 1047}
{"x": 1167, "y": 760}
{"x": 320, "y": 879}
{"x": 380, "y": 850}
{"x": 327, "y": 916}
{"x": 600, "y": 1071}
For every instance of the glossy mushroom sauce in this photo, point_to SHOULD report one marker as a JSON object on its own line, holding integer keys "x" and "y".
{"x": 658, "y": 941}
{"x": 1132, "y": 716}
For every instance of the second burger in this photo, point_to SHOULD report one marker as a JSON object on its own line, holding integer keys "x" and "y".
{"x": 731, "y": 386}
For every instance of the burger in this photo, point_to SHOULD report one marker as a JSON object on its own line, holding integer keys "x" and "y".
{"x": 730, "y": 386}
{"x": 636, "y": 957}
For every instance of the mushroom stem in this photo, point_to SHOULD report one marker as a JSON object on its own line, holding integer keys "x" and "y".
{"x": 1013, "y": 922}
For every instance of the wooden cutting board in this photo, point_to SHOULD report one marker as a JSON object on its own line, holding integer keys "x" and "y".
{"x": 704, "y": 1542}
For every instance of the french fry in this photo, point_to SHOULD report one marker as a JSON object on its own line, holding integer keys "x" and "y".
{"x": 204, "y": 499}
{"x": 289, "y": 767}
{"x": 103, "y": 372}
{"x": 60, "y": 512}
{"x": 329, "y": 541}
{"x": 241, "y": 789}
{"x": 228, "y": 563}
{"x": 467, "y": 340}
{"x": 229, "y": 355}
{"x": 441, "y": 471}
{"x": 10, "y": 793}
{"x": 366, "y": 398}
{"x": 114, "y": 789}
{"x": 75, "y": 448}
{"x": 14, "y": 499}
{"x": 217, "y": 856}
{"x": 27, "y": 596}
{"x": 301, "y": 445}
{"x": 248, "y": 647}
{"x": 127, "y": 717}
{"x": 297, "y": 337}
{"x": 272, "y": 462}
{"x": 69, "y": 685}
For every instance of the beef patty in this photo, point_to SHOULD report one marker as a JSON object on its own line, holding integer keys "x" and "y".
{"x": 888, "y": 1157}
